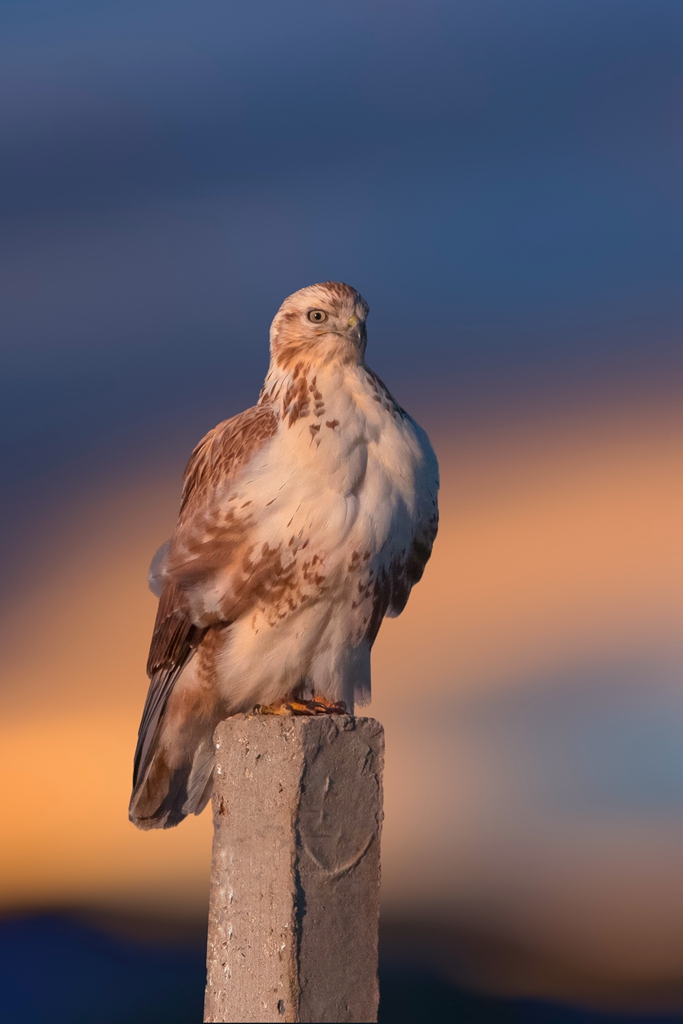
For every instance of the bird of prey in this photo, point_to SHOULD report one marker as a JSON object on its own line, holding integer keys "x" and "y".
{"x": 303, "y": 522}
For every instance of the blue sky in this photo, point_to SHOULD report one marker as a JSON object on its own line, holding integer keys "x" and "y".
{"x": 499, "y": 180}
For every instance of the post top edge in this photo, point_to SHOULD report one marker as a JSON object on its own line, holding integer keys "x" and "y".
{"x": 295, "y": 724}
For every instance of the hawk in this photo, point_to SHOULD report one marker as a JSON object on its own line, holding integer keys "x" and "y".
{"x": 303, "y": 522}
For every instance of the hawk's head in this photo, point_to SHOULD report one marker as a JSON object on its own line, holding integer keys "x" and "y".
{"x": 320, "y": 324}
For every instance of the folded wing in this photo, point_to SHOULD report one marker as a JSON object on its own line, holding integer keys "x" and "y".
{"x": 199, "y": 550}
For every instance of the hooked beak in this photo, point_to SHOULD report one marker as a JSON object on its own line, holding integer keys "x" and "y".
{"x": 358, "y": 330}
{"x": 355, "y": 329}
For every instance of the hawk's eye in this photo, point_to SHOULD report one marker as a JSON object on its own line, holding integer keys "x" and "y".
{"x": 317, "y": 316}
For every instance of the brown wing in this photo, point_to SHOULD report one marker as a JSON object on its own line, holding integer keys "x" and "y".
{"x": 216, "y": 459}
{"x": 393, "y": 585}
{"x": 409, "y": 571}
{"x": 174, "y": 641}
{"x": 223, "y": 451}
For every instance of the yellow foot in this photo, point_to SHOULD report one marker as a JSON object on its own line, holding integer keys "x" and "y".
{"x": 326, "y": 707}
{"x": 289, "y": 707}
{"x": 317, "y": 706}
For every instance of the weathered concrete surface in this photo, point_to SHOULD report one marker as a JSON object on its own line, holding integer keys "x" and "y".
{"x": 295, "y": 881}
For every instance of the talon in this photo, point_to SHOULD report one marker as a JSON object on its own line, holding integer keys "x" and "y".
{"x": 290, "y": 707}
{"x": 272, "y": 709}
{"x": 322, "y": 706}
{"x": 296, "y": 707}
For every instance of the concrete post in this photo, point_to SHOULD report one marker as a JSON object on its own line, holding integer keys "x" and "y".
{"x": 295, "y": 880}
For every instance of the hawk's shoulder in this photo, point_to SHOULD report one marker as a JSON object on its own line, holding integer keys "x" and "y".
{"x": 224, "y": 450}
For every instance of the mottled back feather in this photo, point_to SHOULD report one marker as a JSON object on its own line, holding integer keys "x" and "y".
{"x": 215, "y": 460}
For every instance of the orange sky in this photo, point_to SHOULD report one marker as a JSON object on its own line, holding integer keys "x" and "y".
{"x": 557, "y": 551}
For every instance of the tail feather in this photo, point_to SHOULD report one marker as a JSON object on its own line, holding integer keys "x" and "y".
{"x": 200, "y": 781}
{"x": 167, "y": 794}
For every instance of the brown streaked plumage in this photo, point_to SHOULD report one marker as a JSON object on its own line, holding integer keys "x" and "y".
{"x": 292, "y": 544}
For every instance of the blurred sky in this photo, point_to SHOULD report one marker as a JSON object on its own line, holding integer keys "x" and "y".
{"x": 501, "y": 181}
